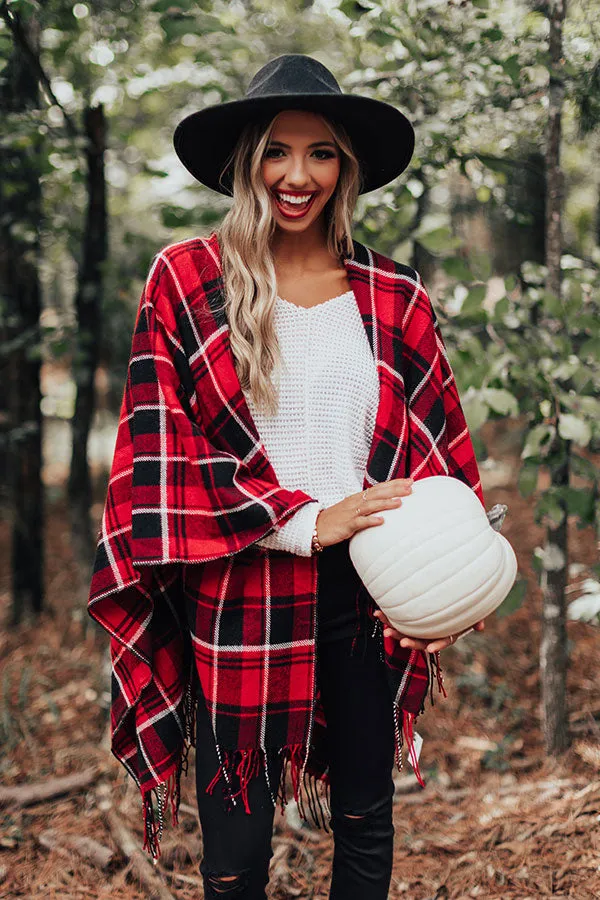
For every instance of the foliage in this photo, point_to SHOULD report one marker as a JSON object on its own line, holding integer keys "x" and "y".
{"x": 471, "y": 77}
{"x": 541, "y": 362}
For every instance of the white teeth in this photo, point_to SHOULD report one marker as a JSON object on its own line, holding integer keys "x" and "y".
{"x": 297, "y": 200}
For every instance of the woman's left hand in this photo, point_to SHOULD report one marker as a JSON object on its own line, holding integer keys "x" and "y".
{"x": 431, "y": 646}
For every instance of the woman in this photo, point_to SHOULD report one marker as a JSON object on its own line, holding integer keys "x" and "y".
{"x": 275, "y": 352}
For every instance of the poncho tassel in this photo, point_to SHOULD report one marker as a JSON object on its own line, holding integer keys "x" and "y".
{"x": 167, "y": 792}
{"x": 407, "y": 733}
{"x": 437, "y": 668}
{"x": 308, "y": 790}
{"x": 408, "y": 720}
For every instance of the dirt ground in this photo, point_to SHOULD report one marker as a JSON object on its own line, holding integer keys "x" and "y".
{"x": 496, "y": 820}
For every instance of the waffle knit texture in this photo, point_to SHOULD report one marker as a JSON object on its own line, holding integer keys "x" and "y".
{"x": 320, "y": 437}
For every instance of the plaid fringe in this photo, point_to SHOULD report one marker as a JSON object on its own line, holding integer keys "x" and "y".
{"x": 156, "y": 800}
{"x": 406, "y": 733}
{"x": 310, "y": 791}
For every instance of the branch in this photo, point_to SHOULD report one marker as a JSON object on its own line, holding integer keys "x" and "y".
{"x": 28, "y": 794}
{"x": 86, "y": 847}
{"x": 138, "y": 859}
{"x": 20, "y": 37}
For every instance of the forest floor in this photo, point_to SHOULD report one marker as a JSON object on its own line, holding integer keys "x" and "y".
{"x": 496, "y": 820}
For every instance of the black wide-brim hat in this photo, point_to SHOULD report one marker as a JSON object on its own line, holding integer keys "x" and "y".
{"x": 382, "y": 137}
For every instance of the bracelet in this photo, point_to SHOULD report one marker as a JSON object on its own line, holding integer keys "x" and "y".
{"x": 315, "y": 544}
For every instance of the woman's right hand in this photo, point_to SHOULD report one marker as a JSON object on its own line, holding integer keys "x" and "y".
{"x": 338, "y": 522}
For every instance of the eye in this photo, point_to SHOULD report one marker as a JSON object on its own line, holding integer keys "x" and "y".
{"x": 271, "y": 151}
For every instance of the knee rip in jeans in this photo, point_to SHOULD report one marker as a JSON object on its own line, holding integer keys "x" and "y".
{"x": 357, "y": 822}
{"x": 227, "y": 885}
{"x": 380, "y": 810}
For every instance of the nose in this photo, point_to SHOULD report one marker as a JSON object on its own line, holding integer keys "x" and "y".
{"x": 297, "y": 176}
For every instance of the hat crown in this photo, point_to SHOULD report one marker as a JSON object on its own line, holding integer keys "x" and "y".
{"x": 205, "y": 141}
{"x": 293, "y": 73}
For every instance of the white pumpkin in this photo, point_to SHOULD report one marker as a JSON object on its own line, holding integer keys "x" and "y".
{"x": 435, "y": 566}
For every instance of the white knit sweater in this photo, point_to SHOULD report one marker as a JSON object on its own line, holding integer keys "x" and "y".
{"x": 319, "y": 441}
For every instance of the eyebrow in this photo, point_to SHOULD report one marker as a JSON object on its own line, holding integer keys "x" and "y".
{"x": 314, "y": 144}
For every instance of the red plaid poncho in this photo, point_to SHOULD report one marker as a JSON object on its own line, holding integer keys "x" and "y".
{"x": 191, "y": 491}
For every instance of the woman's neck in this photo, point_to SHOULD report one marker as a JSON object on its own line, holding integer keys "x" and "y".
{"x": 302, "y": 253}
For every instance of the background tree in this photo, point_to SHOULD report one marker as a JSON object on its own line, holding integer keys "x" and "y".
{"x": 22, "y": 163}
{"x": 553, "y": 650}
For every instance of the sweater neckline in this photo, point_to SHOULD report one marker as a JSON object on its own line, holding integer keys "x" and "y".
{"x": 295, "y": 306}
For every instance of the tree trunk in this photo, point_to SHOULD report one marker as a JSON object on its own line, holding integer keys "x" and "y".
{"x": 21, "y": 201}
{"x": 553, "y": 653}
{"x": 88, "y": 304}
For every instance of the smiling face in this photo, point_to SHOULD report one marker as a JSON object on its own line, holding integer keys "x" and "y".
{"x": 300, "y": 167}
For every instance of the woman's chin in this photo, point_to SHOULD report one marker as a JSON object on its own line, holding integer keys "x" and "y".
{"x": 295, "y": 225}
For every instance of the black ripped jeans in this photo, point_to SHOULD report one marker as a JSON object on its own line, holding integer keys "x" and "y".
{"x": 358, "y": 707}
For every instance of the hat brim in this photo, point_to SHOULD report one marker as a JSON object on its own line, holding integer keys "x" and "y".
{"x": 382, "y": 137}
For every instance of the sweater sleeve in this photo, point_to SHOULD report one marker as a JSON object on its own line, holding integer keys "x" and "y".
{"x": 295, "y": 534}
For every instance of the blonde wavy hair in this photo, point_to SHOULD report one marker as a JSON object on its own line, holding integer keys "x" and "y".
{"x": 250, "y": 287}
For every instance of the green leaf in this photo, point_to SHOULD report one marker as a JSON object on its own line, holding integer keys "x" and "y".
{"x": 512, "y": 67}
{"x": 580, "y": 502}
{"x": 164, "y": 5}
{"x": 353, "y": 9}
{"x": 439, "y": 240}
{"x": 381, "y": 38}
{"x": 501, "y": 309}
{"x": 492, "y": 34}
{"x": 552, "y": 304}
{"x": 472, "y": 304}
{"x": 475, "y": 409}
{"x": 501, "y": 401}
{"x": 481, "y": 263}
{"x": 479, "y": 447}
{"x": 175, "y": 217}
{"x": 572, "y": 428}
{"x": 527, "y": 478}
{"x": 565, "y": 369}
{"x": 537, "y": 441}
{"x": 584, "y": 468}
{"x": 591, "y": 349}
{"x": 176, "y": 24}
{"x": 457, "y": 268}
{"x": 514, "y": 599}
{"x": 549, "y": 507}
{"x": 155, "y": 173}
